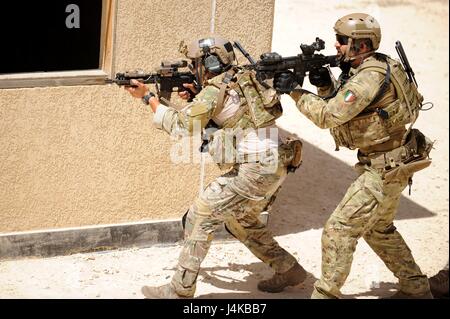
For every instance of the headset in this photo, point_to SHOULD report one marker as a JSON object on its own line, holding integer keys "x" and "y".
{"x": 211, "y": 62}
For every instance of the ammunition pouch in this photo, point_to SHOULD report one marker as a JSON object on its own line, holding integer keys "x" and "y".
{"x": 264, "y": 106}
{"x": 404, "y": 161}
{"x": 222, "y": 148}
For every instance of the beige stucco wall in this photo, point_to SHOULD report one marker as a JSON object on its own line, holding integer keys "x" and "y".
{"x": 87, "y": 155}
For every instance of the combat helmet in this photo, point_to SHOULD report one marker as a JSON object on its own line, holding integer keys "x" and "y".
{"x": 356, "y": 26}
{"x": 214, "y": 53}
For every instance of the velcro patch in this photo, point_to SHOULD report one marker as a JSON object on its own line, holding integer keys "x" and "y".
{"x": 349, "y": 97}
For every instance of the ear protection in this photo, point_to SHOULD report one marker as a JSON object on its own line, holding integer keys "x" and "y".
{"x": 213, "y": 64}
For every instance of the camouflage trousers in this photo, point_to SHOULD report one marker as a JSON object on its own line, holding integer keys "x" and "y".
{"x": 236, "y": 200}
{"x": 367, "y": 210}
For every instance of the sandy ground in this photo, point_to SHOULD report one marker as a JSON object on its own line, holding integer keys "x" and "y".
{"x": 307, "y": 197}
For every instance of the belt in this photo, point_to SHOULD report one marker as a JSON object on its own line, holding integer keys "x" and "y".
{"x": 391, "y": 159}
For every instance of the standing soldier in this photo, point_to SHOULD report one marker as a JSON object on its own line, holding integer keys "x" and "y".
{"x": 367, "y": 109}
{"x": 231, "y": 100}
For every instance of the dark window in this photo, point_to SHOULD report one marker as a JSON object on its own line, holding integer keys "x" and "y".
{"x": 35, "y": 36}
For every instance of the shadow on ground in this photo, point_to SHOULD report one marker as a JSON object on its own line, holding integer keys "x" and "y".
{"x": 310, "y": 195}
{"x": 306, "y": 200}
{"x": 224, "y": 278}
{"x": 381, "y": 290}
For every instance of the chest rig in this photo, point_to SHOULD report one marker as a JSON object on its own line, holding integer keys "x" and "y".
{"x": 396, "y": 104}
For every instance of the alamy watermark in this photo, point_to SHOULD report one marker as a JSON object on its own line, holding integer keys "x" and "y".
{"x": 226, "y": 146}
{"x": 73, "y": 19}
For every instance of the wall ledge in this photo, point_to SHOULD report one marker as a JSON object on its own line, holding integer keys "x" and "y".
{"x": 67, "y": 241}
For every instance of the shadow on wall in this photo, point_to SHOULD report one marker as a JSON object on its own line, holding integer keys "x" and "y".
{"x": 310, "y": 195}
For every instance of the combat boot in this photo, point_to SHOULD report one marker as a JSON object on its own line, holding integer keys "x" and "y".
{"x": 401, "y": 295}
{"x": 161, "y": 292}
{"x": 279, "y": 281}
{"x": 439, "y": 284}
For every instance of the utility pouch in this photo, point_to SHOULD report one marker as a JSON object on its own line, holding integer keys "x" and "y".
{"x": 222, "y": 148}
{"x": 291, "y": 154}
{"x": 418, "y": 146}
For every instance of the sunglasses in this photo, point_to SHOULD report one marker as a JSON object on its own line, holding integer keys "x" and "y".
{"x": 342, "y": 39}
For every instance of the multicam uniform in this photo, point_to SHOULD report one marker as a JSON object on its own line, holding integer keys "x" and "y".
{"x": 237, "y": 197}
{"x": 388, "y": 156}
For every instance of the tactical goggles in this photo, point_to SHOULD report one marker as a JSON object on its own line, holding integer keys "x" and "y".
{"x": 342, "y": 39}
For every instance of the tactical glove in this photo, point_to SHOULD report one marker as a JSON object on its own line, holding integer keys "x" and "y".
{"x": 345, "y": 67}
{"x": 284, "y": 82}
{"x": 320, "y": 77}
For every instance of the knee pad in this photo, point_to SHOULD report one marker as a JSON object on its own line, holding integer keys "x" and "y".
{"x": 199, "y": 224}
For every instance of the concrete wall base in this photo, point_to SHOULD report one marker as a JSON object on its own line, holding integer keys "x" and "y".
{"x": 66, "y": 241}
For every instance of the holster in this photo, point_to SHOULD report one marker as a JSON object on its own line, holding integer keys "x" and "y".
{"x": 404, "y": 161}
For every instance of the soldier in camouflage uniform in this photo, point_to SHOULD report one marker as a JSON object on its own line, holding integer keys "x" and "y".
{"x": 367, "y": 109}
{"x": 232, "y": 100}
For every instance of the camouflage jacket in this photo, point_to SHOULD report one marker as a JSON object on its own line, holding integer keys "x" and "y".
{"x": 247, "y": 105}
{"x": 353, "y": 116}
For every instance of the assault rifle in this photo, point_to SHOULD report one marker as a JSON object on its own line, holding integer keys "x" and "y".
{"x": 167, "y": 78}
{"x": 271, "y": 64}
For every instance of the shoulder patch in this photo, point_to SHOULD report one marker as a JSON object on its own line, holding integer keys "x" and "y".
{"x": 349, "y": 97}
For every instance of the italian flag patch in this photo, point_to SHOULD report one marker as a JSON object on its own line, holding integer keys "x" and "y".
{"x": 349, "y": 96}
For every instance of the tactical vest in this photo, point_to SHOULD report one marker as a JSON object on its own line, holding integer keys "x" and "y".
{"x": 369, "y": 128}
